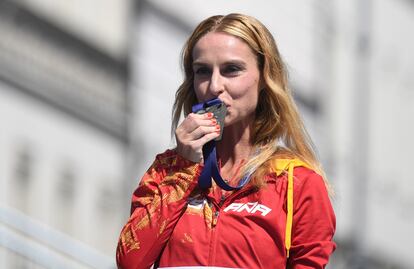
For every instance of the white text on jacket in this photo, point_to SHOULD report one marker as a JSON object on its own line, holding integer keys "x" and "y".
{"x": 249, "y": 207}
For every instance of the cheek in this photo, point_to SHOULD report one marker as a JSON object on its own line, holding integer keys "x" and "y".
{"x": 247, "y": 89}
{"x": 199, "y": 90}
{"x": 249, "y": 97}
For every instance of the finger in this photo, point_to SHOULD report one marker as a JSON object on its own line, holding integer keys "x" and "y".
{"x": 202, "y": 131}
{"x": 199, "y": 143}
{"x": 193, "y": 121}
{"x": 185, "y": 138}
{"x": 184, "y": 134}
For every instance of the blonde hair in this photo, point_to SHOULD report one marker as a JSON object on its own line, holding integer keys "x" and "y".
{"x": 278, "y": 130}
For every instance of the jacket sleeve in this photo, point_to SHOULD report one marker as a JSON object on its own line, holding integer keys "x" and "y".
{"x": 157, "y": 205}
{"x": 313, "y": 222}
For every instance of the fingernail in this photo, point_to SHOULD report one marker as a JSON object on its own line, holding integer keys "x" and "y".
{"x": 213, "y": 121}
{"x": 217, "y": 127}
{"x": 209, "y": 114}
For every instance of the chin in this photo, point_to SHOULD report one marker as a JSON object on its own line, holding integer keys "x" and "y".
{"x": 229, "y": 122}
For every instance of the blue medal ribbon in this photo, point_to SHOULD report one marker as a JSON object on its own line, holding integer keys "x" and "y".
{"x": 211, "y": 169}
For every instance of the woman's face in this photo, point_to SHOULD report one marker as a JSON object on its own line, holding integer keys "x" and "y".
{"x": 224, "y": 66}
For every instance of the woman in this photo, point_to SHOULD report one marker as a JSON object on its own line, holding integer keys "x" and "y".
{"x": 282, "y": 217}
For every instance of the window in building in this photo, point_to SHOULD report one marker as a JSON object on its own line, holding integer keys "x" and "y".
{"x": 24, "y": 166}
{"x": 22, "y": 177}
{"x": 107, "y": 200}
{"x": 67, "y": 184}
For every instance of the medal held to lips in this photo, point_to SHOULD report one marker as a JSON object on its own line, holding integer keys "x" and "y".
{"x": 215, "y": 106}
{"x": 210, "y": 170}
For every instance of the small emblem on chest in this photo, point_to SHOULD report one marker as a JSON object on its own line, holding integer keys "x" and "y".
{"x": 249, "y": 207}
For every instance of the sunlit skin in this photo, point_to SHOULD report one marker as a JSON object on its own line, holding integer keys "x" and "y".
{"x": 224, "y": 66}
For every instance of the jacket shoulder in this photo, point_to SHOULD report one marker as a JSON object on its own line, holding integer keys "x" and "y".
{"x": 170, "y": 159}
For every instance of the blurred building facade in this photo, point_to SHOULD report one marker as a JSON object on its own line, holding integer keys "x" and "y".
{"x": 86, "y": 104}
{"x": 63, "y": 142}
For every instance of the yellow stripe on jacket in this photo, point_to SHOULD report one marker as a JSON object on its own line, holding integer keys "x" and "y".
{"x": 281, "y": 166}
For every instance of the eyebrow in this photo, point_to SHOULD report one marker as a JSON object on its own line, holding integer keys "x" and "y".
{"x": 236, "y": 62}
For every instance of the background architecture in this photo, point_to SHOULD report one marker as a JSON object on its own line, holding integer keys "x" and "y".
{"x": 86, "y": 90}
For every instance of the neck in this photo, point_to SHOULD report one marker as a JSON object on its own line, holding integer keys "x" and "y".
{"x": 235, "y": 145}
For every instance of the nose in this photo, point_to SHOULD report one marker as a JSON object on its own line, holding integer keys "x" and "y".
{"x": 216, "y": 85}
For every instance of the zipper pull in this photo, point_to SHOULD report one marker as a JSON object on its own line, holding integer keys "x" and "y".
{"x": 216, "y": 215}
{"x": 223, "y": 197}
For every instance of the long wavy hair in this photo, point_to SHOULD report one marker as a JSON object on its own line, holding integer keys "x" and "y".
{"x": 278, "y": 130}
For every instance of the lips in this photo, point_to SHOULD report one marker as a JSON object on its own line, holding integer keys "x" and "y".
{"x": 224, "y": 102}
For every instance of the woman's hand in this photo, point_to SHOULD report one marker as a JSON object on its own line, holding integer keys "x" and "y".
{"x": 195, "y": 131}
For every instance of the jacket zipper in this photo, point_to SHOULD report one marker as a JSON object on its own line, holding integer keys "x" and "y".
{"x": 214, "y": 224}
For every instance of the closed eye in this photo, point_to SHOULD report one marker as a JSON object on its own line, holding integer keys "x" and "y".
{"x": 201, "y": 70}
{"x": 232, "y": 70}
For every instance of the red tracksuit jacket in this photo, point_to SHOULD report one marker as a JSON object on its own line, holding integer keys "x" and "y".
{"x": 177, "y": 225}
